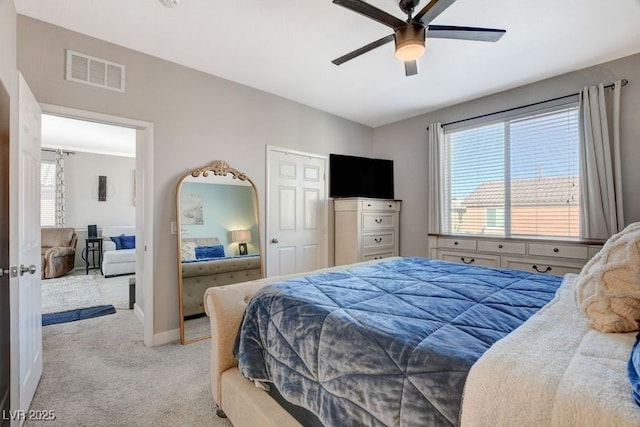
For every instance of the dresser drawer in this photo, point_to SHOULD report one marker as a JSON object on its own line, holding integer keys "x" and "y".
{"x": 471, "y": 259}
{"x": 376, "y": 221}
{"x": 559, "y": 250}
{"x": 453, "y": 243}
{"x": 593, "y": 251}
{"x": 380, "y": 205}
{"x": 377, "y": 240}
{"x": 377, "y": 255}
{"x": 516, "y": 248}
{"x": 541, "y": 266}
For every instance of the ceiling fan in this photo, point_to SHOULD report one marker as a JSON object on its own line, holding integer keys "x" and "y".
{"x": 410, "y": 36}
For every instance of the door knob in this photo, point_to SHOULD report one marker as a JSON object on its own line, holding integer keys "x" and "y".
{"x": 274, "y": 240}
{"x": 31, "y": 269}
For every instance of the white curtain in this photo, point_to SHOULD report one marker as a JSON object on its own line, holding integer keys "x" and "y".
{"x": 436, "y": 139}
{"x": 60, "y": 189}
{"x": 601, "y": 181}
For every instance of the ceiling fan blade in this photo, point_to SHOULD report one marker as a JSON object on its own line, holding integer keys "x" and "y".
{"x": 410, "y": 68}
{"x": 363, "y": 49}
{"x": 432, "y": 10}
{"x": 464, "y": 33}
{"x": 371, "y": 12}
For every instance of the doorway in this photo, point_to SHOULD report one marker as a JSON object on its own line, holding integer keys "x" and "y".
{"x": 5, "y": 332}
{"x": 143, "y": 188}
{"x": 87, "y": 195}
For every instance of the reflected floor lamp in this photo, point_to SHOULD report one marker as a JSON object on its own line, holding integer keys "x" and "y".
{"x": 241, "y": 237}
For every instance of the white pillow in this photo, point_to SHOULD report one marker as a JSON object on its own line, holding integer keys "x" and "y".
{"x": 608, "y": 287}
{"x": 188, "y": 251}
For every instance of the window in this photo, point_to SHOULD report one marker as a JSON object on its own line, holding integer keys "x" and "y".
{"x": 518, "y": 176}
{"x": 48, "y": 193}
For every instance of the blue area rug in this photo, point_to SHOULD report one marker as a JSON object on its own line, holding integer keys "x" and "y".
{"x": 77, "y": 314}
{"x": 72, "y": 298}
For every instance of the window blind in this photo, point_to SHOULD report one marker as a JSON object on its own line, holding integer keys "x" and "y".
{"x": 518, "y": 176}
{"x": 47, "y": 193}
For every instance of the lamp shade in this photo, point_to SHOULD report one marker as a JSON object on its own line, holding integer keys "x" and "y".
{"x": 240, "y": 236}
{"x": 410, "y": 42}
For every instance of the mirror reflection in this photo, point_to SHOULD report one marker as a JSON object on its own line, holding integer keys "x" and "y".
{"x": 218, "y": 239}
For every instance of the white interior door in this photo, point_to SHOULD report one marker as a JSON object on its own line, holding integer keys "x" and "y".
{"x": 24, "y": 248}
{"x": 296, "y": 238}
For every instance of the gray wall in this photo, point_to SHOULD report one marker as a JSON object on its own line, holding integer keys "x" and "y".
{"x": 197, "y": 118}
{"x": 81, "y": 172}
{"x": 406, "y": 141}
{"x": 7, "y": 64}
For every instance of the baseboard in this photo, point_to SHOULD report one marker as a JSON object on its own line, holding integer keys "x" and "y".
{"x": 139, "y": 313}
{"x": 166, "y": 337}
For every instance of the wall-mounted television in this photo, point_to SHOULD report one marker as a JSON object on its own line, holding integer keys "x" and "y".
{"x": 351, "y": 176}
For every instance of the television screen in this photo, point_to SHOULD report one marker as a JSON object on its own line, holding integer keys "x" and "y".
{"x": 351, "y": 176}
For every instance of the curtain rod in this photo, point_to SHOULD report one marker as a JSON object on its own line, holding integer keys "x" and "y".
{"x": 623, "y": 82}
{"x": 53, "y": 150}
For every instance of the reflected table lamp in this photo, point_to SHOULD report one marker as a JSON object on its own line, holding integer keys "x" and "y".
{"x": 241, "y": 237}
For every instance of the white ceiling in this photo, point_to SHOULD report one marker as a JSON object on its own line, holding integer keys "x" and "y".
{"x": 285, "y": 46}
{"x": 89, "y": 137}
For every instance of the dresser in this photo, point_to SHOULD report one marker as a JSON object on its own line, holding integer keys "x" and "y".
{"x": 366, "y": 229}
{"x": 555, "y": 257}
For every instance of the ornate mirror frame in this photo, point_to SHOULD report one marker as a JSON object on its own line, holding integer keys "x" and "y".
{"x": 217, "y": 168}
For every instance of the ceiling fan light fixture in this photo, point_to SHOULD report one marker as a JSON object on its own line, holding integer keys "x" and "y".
{"x": 410, "y": 42}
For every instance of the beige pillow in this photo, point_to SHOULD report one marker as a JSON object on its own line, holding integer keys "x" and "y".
{"x": 608, "y": 287}
{"x": 188, "y": 251}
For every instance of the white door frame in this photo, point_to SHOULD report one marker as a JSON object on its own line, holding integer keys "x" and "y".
{"x": 144, "y": 202}
{"x": 325, "y": 237}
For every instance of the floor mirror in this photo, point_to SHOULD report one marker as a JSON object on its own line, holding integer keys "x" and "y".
{"x": 218, "y": 239}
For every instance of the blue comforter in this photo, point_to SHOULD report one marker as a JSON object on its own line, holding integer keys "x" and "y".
{"x": 384, "y": 344}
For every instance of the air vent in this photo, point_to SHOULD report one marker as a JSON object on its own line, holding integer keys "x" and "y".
{"x": 93, "y": 71}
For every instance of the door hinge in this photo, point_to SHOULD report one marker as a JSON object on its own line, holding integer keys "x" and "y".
{"x": 12, "y": 272}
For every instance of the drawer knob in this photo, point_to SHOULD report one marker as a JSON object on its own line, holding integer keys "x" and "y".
{"x": 390, "y": 206}
{"x": 369, "y": 205}
{"x": 377, "y": 239}
{"x": 471, "y": 261}
{"x": 500, "y": 246}
{"x": 378, "y": 220}
{"x": 546, "y": 270}
{"x": 556, "y": 250}
{"x": 455, "y": 243}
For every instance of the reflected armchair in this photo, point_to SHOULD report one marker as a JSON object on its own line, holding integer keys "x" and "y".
{"x": 58, "y": 251}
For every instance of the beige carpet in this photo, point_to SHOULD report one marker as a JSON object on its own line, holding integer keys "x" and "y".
{"x": 97, "y": 372}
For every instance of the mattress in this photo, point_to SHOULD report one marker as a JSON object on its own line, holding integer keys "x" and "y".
{"x": 384, "y": 344}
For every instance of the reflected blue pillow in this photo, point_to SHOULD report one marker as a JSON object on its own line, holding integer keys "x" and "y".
{"x": 216, "y": 251}
{"x": 633, "y": 368}
{"x": 128, "y": 242}
{"x": 118, "y": 241}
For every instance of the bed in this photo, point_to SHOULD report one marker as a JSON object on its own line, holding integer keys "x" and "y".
{"x": 453, "y": 382}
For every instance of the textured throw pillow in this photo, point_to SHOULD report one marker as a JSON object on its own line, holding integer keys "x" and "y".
{"x": 118, "y": 241}
{"x": 608, "y": 287}
{"x": 189, "y": 251}
{"x": 128, "y": 242}
{"x": 216, "y": 251}
{"x": 633, "y": 368}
